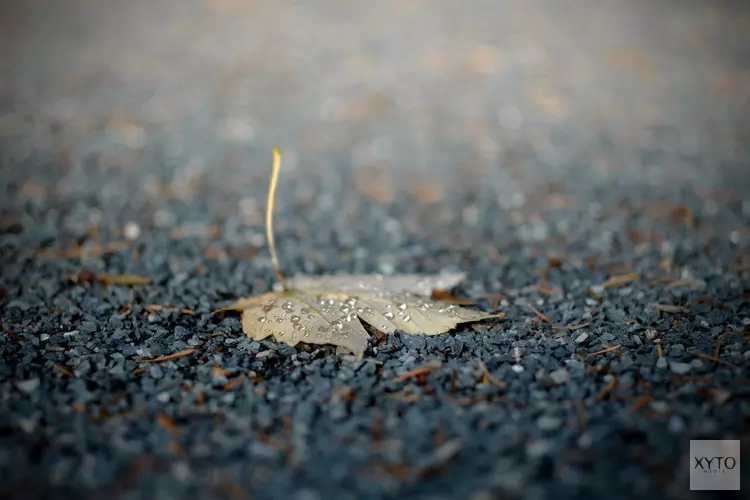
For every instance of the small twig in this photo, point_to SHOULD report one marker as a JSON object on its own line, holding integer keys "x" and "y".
{"x": 681, "y": 283}
{"x": 582, "y": 415}
{"x": 716, "y": 360}
{"x": 640, "y": 402}
{"x": 122, "y": 279}
{"x": 63, "y": 370}
{"x": 668, "y": 308}
{"x": 429, "y": 367}
{"x": 540, "y": 314}
{"x": 490, "y": 378}
{"x": 718, "y": 344}
{"x": 169, "y": 357}
{"x": 620, "y": 280}
{"x": 605, "y": 350}
{"x": 155, "y": 308}
{"x": 168, "y": 424}
{"x": 607, "y": 389}
{"x": 571, "y": 328}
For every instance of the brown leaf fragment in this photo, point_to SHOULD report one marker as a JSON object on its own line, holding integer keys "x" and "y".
{"x": 620, "y": 280}
{"x": 607, "y": 389}
{"x": 168, "y": 424}
{"x": 640, "y": 402}
{"x": 122, "y": 279}
{"x": 427, "y": 368}
{"x": 720, "y": 396}
{"x": 668, "y": 308}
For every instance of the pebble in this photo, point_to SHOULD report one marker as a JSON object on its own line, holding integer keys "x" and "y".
{"x": 560, "y": 376}
{"x": 28, "y": 386}
{"x": 680, "y": 368}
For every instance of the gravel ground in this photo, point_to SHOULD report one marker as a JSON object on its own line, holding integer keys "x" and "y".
{"x": 586, "y": 164}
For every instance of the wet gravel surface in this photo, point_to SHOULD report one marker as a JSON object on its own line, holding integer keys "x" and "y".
{"x": 604, "y": 208}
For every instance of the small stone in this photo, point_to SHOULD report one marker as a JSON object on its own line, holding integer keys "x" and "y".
{"x": 652, "y": 334}
{"x": 680, "y": 368}
{"x": 132, "y": 230}
{"x": 582, "y": 338}
{"x": 547, "y": 423}
{"x": 517, "y": 368}
{"x": 676, "y": 424}
{"x": 156, "y": 371}
{"x": 661, "y": 363}
{"x": 560, "y": 376}
{"x": 538, "y": 448}
{"x": 28, "y": 386}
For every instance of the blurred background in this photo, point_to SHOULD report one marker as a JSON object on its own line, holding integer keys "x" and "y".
{"x": 132, "y": 104}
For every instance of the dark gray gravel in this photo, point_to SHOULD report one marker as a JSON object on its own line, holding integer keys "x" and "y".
{"x": 543, "y": 149}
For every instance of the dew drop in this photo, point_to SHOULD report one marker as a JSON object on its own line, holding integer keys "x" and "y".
{"x": 305, "y": 310}
{"x": 322, "y": 328}
{"x": 402, "y": 306}
{"x": 337, "y": 325}
{"x": 310, "y": 316}
{"x": 344, "y": 309}
{"x": 407, "y": 318}
{"x": 388, "y": 315}
{"x": 294, "y": 319}
{"x": 261, "y": 319}
{"x": 267, "y": 307}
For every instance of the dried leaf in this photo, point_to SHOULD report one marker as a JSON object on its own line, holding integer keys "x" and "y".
{"x": 328, "y": 310}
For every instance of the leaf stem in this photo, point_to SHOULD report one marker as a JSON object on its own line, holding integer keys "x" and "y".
{"x": 269, "y": 216}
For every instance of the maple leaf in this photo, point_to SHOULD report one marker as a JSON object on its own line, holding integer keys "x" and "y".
{"x": 330, "y": 309}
